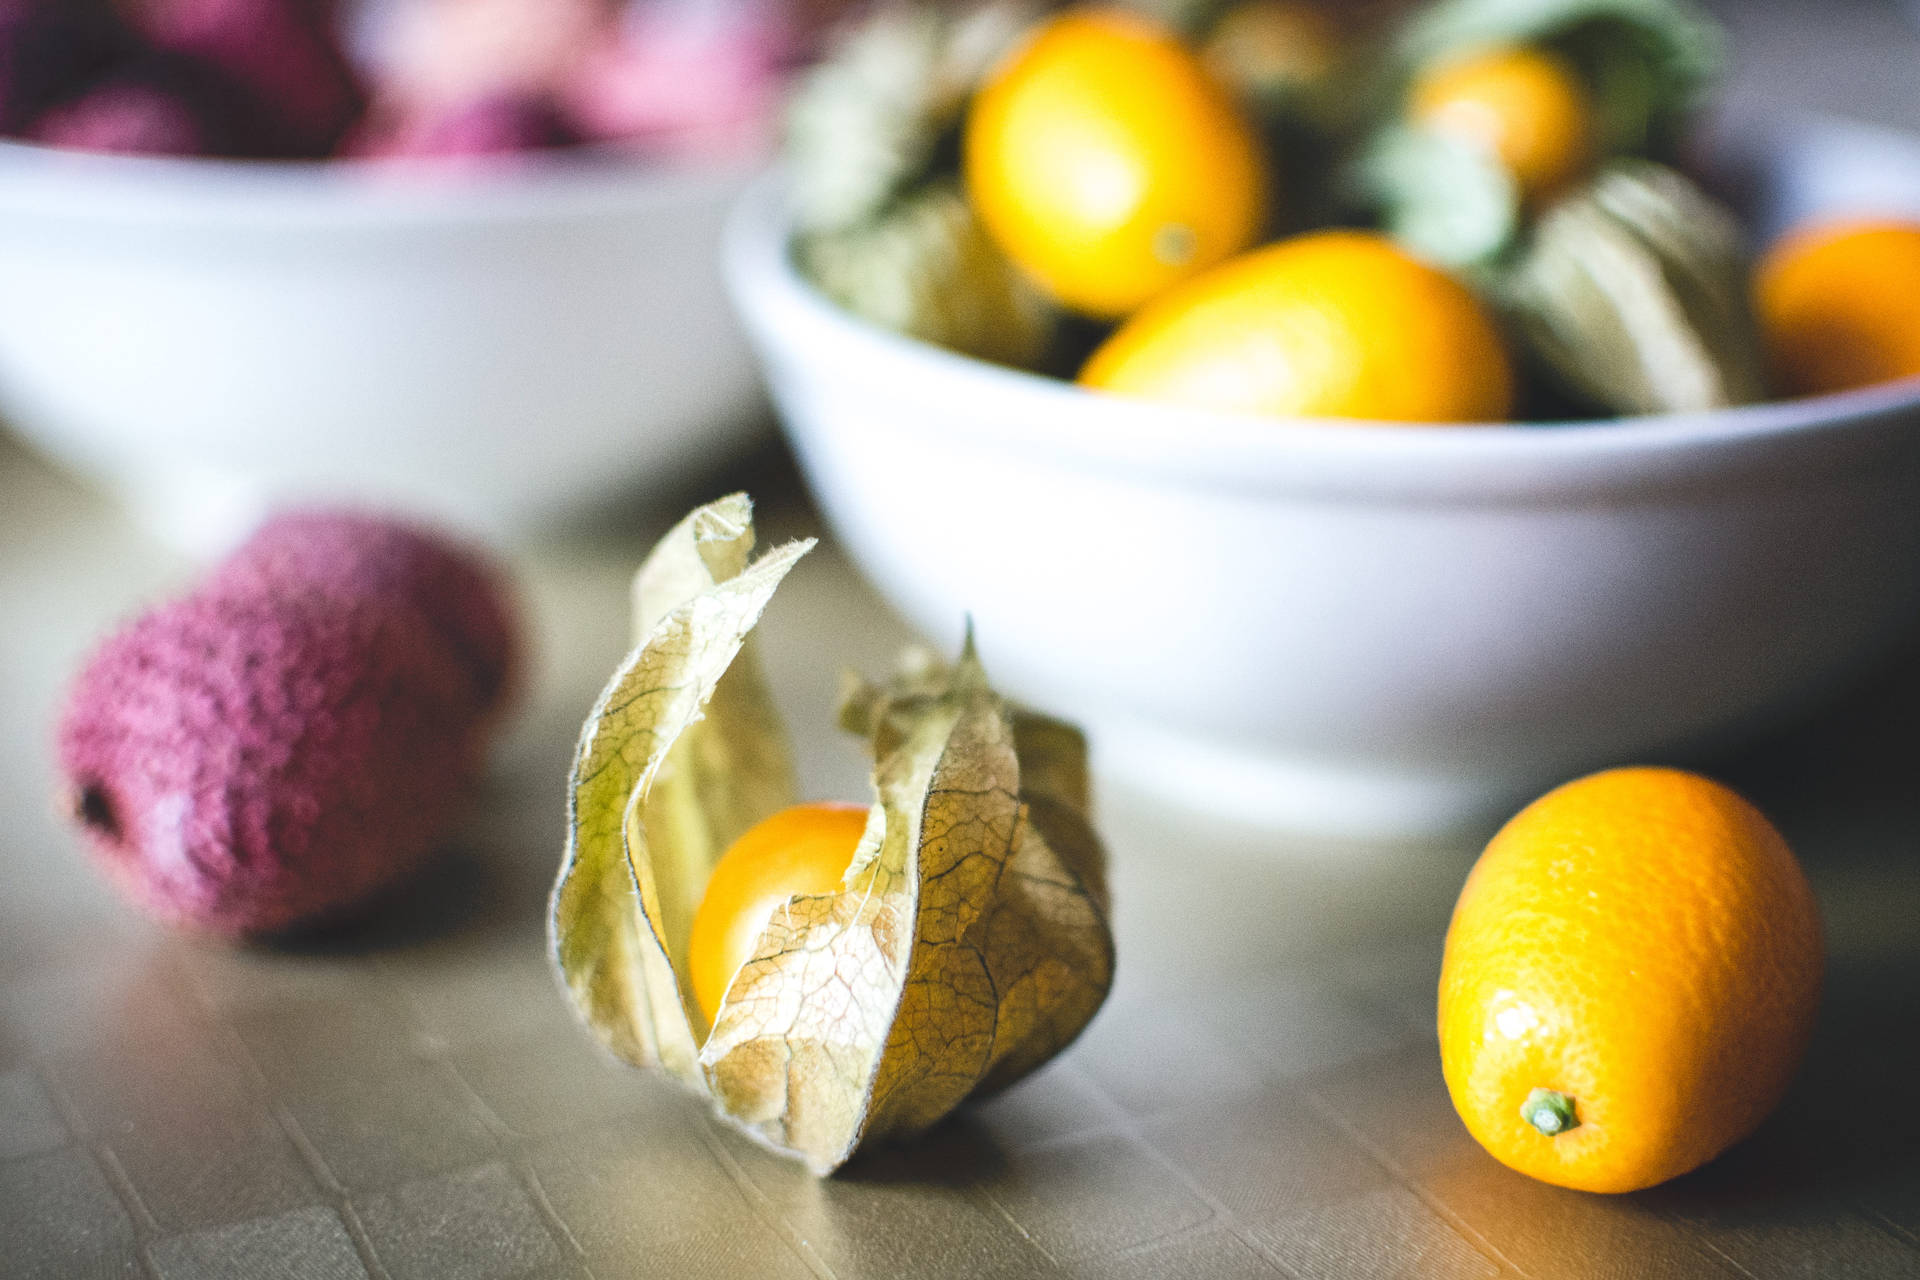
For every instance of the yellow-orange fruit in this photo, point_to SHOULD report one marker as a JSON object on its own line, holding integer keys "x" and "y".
{"x": 1630, "y": 980}
{"x": 1109, "y": 163}
{"x": 1839, "y": 305}
{"x": 800, "y": 850}
{"x": 1525, "y": 107}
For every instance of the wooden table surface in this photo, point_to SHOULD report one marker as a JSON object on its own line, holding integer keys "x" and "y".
{"x": 1261, "y": 1097}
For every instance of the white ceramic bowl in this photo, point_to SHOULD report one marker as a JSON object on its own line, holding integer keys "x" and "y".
{"x": 1367, "y": 628}
{"x": 499, "y": 349}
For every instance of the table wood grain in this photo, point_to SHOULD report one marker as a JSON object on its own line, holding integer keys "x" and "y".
{"x": 1261, "y": 1097}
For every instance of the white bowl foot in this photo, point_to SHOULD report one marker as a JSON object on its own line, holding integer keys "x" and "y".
{"x": 1304, "y": 796}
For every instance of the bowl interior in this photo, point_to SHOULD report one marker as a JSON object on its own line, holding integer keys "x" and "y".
{"x": 1784, "y": 169}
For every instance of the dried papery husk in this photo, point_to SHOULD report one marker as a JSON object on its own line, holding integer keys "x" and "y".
{"x": 880, "y": 224}
{"x": 680, "y": 755}
{"x": 1633, "y": 293}
{"x": 870, "y": 122}
{"x": 968, "y": 944}
{"x": 928, "y": 269}
{"x": 1646, "y": 64}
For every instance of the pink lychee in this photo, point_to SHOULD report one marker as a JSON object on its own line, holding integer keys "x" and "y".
{"x": 463, "y": 597}
{"x": 286, "y": 54}
{"x": 49, "y": 49}
{"x": 683, "y": 79}
{"x": 292, "y": 738}
{"x": 490, "y": 127}
{"x": 250, "y": 765}
{"x": 151, "y": 106}
{"x": 430, "y": 57}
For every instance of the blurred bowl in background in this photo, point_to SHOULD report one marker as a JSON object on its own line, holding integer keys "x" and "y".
{"x": 1368, "y": 629}
{"x": 497, "y": 347}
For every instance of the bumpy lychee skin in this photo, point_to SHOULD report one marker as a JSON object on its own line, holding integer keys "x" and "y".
{"x": 249, "y": 765}
{"x": 350, "y": 555}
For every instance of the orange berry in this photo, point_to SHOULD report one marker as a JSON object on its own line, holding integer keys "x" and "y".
{"x": 1839, "y": 305}
{"x": 1338, "y": 324}
{"x": 1109, "y": 164}
{"x": 1630, "y": 980}
{"x": 1525, "y": 107}
{"x": 802, "y": 850}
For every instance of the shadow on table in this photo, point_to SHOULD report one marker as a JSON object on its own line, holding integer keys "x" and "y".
{"x": 1841, "y": 784}
{"x": 1847, "y": 1126}
{"x": 1840, "y": 780}
{"x": 455, "y": 893}
{"x": 955, "y": 1155}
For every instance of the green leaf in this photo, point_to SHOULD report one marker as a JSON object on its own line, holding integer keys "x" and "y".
{"x": 1650, "y": 63}
{"x": 1647, "y": 64}
{"x": 1441, "y": 198}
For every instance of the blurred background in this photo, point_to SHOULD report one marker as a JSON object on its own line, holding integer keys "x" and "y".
{"x": 496, "y": 300}
{"x": 542, "y": 275}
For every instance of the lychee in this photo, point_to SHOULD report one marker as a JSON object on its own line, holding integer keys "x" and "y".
{"x": 156, "y": 105}
{"x": 358, "y": 555}
{"x": 48, "y": 49}
{"x": 284, "y": 53}
{"x": 697, "y": 80}
{"x": 278, "y": 748}
{"x": 246, "y": 766}
{"x": 499, "y": 125}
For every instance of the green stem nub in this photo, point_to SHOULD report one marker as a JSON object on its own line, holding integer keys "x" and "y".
{"x": 1550, "y": 1112}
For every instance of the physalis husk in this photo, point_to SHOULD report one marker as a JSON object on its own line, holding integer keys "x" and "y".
{"x": 968, "y": 944}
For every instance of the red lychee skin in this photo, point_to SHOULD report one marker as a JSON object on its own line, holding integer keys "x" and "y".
{"x": 253, "y": 765}
{"x": 353, "y": 555}
{"x": 501, "y": 125}
{"x": 285, "y": 53}
{"x": 49, "y": 49}
{"x": 154, "y": 105}
{"x": 125, "y": 119}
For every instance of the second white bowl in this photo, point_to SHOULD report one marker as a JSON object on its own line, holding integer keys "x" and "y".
{"x": 1366, "y": 628}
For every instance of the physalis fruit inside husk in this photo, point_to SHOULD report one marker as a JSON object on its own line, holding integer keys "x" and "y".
{"x": 967, "y": 944}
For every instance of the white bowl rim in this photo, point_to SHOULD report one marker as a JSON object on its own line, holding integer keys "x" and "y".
{"x": 1036, "y": 411}
{"x": 84, "y": 187}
